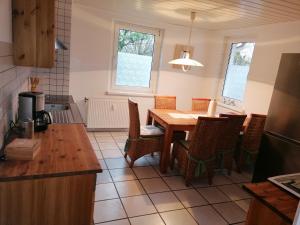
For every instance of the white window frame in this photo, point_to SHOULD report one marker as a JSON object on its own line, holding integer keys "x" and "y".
{"x": 235, "y": 103}
{"x": 130, "y": 90}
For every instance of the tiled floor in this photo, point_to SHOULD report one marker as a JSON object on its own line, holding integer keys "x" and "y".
{"x": 144, "y": 196}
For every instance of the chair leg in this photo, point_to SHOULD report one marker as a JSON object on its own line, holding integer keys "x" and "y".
{"x": 172, "y": 162}
{"x": 210, "y": 174}
{"x": 187, "y": 182}
{"x": 152, "y": 154}
{"x": 239, "y": 163}
{"x": 131, "y": 164}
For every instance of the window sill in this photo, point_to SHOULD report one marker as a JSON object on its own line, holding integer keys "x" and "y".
{"x": 131, "y": 94}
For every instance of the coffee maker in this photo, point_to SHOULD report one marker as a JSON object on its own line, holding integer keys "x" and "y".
{"x": 32, "y": 107}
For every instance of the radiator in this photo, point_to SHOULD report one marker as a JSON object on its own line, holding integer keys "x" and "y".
{"x": 107, "y": 113}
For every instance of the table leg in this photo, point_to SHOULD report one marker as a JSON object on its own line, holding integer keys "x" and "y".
{"x": 165, "y": 155}
{"x": 149, "y": 119}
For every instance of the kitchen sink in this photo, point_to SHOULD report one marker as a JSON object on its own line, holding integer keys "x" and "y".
{"x": 56, "y": 107}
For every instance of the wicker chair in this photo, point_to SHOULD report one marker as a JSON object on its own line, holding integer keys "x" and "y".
{"x": 229, "y": 140}
{"x": 250, "y": 143}
{"x": 142, "y": 140}
{"x": 200, "y": 104}
{"x": 197, "y": 156}
{"x": 165, "y": 102}
{"x": 169, "y": 102}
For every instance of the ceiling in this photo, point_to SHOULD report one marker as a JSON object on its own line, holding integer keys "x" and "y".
{"x": 211, "y": 14}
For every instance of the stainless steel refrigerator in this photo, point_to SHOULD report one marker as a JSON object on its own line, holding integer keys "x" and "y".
{"x": 280, "y": 146}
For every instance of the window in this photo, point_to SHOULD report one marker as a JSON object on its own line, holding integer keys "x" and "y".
{"x": 237, "y": 70}
{"x": 136, "y": 58}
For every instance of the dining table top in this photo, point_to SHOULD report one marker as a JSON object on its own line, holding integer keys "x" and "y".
{"x": 178, "y": 117}
{"x": 175, "y": 117}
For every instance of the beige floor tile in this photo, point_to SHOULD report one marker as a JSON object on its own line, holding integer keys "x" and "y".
{"x": 98, "y": 154}
{"x": 141, "y": 162}
{"x": 154, "y": 161}
{"x": 138, "y": 205}
{"x": 102, "y": 164}
{"x": 231, "y": 212}
{"x": 119, "y": 133}
{"x": 95, "y": 145}
{"x": 234, "y": 192}
{"x": 153, "y": 219}
{"x": 105, "y": 191}
{"x": 190, "y": 198}
{"x": 238, "y": 177}
{"x": 102, "y": 134}
{"x": 154, "y": 185}
{"x": 244, "y": 204}
{"x": 145, "y": 172}
{"x": 218, "y": 179}
{"x": 213, "y": 195}
{"x": 175, "y": 182}
{"x": 111, "y": 154}
{"x": 103, "y": 177}
{"x": 206, "y": 215}
{"x": 178, "y": 217}
{"x": 92, "y": 138}
{"x": 121, "y": 138}
{"x": 103, "y": 139}
{"x": 108, "y": 146}
{"x": 117, "y": 222}
{"x": 165, "y": 201}
{"x": 108, "y": 210}
{"x": 169, "y": 172}
{"x": 116, "y": 163}
{"x": 129, "y": 188}
{"x": 121, "y": 145}
{"x": 122, "y": 174}
{"x": 221, "y": 180}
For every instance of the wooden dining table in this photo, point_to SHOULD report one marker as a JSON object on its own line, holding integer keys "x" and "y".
{"x": 171, "y": 121}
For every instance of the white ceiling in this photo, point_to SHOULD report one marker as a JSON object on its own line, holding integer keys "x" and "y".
{"x": 211, "y": 14}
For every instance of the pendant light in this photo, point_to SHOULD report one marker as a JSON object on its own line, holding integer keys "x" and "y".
{"x": 185, "y": 61}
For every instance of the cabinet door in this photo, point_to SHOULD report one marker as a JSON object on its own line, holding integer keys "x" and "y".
{"x": 24, "y": 32}
{"x": 45, "y": 33}
{"x": 34, "y": 32}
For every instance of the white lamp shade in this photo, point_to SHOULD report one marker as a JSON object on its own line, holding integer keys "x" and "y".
{"x": 185, "y": 60}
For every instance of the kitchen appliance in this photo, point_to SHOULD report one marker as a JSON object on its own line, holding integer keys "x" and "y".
{"x": 32, "y": 107}
{"x": 280, "y": 147}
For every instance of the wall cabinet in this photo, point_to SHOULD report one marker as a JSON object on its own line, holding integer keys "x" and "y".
{"x": 34, "y": 32}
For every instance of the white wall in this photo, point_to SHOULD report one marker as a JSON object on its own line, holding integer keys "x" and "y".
{"x": 5, "y": 21}
{"x": 91, "y": 56}
{"x": 271, "y": 42}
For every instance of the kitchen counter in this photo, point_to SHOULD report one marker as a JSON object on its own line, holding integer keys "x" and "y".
{"x": 65, "y": 150}
{"x": 271, "y": 204}
{"x": 57, "y": 187}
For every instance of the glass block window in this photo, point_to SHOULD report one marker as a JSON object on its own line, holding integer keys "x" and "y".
{"x": 237, "y": 70}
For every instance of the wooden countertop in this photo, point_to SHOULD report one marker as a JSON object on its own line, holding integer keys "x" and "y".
{"x": 277, "y": 199}
{"x": 65, "y": 150}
